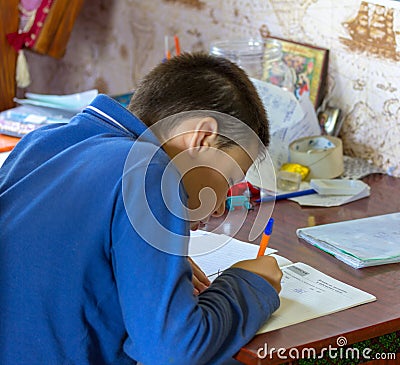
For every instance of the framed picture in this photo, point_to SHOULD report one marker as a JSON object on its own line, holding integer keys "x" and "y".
{"x": 310, "y": 65}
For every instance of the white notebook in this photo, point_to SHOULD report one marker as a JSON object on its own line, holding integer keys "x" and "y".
{"x": 359, "y": 243}
{"x": 306, "y": 292}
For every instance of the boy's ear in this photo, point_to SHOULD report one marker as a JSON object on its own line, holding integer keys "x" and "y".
{"x": 204, "y": 135}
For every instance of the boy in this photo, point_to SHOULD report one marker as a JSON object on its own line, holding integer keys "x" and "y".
{"x": 95, "y": 217}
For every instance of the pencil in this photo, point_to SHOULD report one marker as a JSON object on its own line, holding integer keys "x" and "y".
{"x": 265, "y": 237}
{"x": 177, "y": 46}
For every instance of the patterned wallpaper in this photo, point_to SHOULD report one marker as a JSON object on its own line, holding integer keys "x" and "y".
{"x": 114, "y": 43}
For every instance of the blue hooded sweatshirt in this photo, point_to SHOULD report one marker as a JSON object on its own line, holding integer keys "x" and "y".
{"x": 79, "y": 281}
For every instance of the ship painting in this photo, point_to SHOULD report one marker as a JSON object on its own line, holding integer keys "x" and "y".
{"x": 371, "y": 31}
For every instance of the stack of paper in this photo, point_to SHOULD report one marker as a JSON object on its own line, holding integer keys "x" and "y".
{"x": 359, "y": 243}
{"x": 38, "y": 110}
{"x": 72, "y": 102}
{"x": 23, "y": 119}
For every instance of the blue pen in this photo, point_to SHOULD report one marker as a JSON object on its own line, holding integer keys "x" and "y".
{"x": 286, "y": 195}
{"x": 265, "y": 237}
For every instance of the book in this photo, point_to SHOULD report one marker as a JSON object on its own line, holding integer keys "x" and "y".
{"x": 360, "y": 242}
{"x": 39, "y": 110}
{"x": 306, "y": 293}
{"x": 21, "y": 120}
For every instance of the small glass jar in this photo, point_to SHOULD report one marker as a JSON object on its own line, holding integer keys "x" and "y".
{"x": 248, "y": 54}
{"x": 275, "y": 70}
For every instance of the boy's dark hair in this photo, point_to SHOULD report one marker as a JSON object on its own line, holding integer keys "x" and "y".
{"x": 198, "y": 81}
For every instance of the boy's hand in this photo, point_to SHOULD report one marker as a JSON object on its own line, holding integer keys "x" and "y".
{"x": 200, "y": 280}
{"x": 266, "y": 267}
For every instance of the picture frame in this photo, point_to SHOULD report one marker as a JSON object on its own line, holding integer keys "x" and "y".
{"x": 310, "y": 65}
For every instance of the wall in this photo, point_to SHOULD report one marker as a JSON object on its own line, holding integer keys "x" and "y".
{"x": 114, "y": 43}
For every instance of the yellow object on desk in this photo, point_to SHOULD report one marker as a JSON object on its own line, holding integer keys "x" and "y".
{"x": 290, "y": 176}
{"x": 295, "y": 167}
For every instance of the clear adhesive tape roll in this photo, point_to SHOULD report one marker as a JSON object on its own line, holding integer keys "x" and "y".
{"x": 323, "y": 155}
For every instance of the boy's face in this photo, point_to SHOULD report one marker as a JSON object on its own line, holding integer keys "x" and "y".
{"x": 208, "y": 171}
{"x": 208, "y": 182}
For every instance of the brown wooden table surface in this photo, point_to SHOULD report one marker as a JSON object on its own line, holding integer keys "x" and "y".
{"x": 355, "y": 324}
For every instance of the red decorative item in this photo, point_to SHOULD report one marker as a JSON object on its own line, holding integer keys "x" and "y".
{"x": 241, "y": 188}
{"x": 27, "y": 39}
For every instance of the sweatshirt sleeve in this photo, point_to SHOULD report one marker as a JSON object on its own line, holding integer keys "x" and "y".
{"x": 165, "y": 322}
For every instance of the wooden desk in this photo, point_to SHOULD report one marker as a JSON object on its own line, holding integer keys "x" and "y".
{"x": 355, "y": 324}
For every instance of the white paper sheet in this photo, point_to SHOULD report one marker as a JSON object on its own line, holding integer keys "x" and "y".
{"x": 289, "y": 118}
{"x": 223, "y": 251}
{"x": 318, "y": 200}
{"x": 308, "y": 293}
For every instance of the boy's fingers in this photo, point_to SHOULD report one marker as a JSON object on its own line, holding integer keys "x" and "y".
{"x": 200, "y": 279}
{"x": 199, "y": 273}
{"x": 198, "y": 286}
